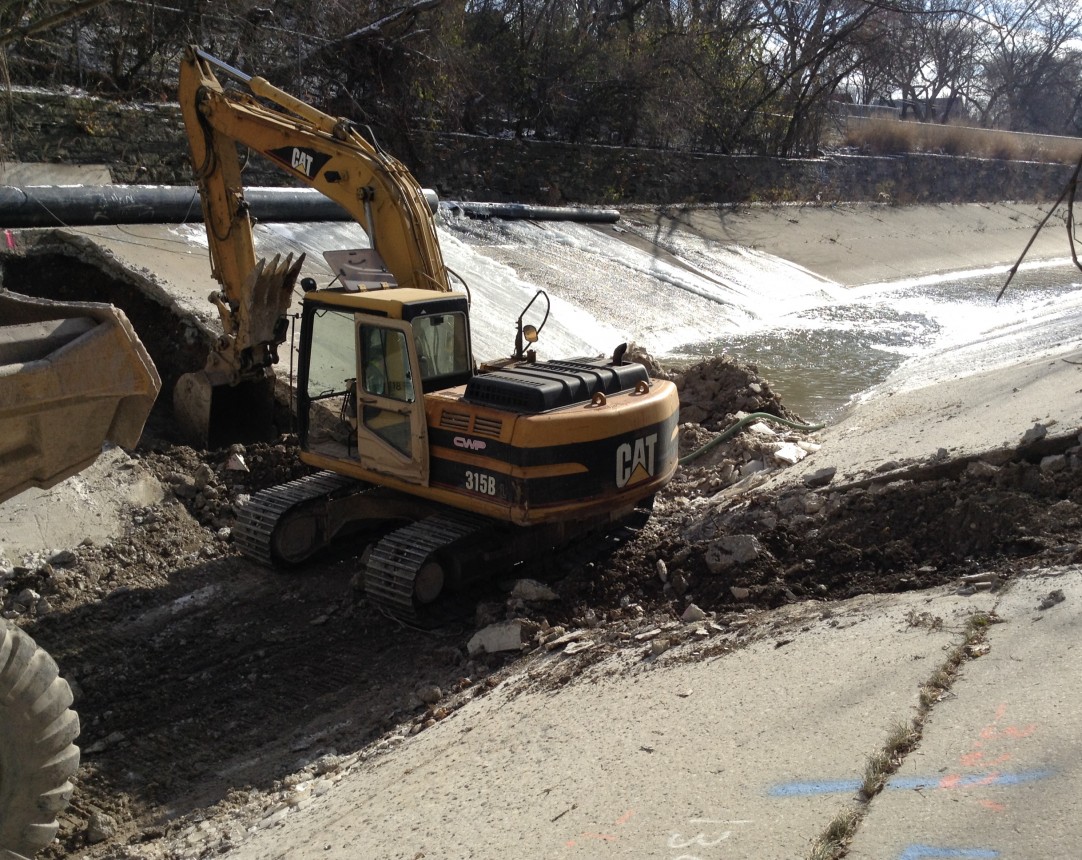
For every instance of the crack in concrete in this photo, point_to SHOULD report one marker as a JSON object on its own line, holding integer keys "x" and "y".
{"x": 833, "y": 842}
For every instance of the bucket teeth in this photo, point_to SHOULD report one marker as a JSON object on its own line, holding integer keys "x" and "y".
{"x": 268, "y": 294}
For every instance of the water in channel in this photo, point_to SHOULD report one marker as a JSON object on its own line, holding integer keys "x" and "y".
{"x": 818, "y": 343}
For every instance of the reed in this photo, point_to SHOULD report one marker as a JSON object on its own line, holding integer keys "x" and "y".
{"x": 890, "y": 136}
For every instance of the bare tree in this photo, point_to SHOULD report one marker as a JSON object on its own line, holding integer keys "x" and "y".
{"x": 934, "y": 57}
{"x": 726, "y": 75}
{"x": 20, "y": 19}
{"x": 1024, "y": 56}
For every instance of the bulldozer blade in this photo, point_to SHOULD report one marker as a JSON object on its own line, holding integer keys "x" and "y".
{"x": 212, "y": 414}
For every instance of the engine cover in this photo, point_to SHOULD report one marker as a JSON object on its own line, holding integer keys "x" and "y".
{"x": 548, "y": 385}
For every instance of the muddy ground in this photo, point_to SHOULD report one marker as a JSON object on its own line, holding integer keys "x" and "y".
{"x": 205, "y": 681}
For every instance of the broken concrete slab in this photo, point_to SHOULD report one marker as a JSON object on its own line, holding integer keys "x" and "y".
{"x": 531, "y": 589}
{"x": 732, "y": 551}
{"x": 89, "y": 505}
{"x": 504, "y": 636}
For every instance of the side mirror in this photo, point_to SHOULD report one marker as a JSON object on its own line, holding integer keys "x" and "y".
{"x": 528, "y": 333}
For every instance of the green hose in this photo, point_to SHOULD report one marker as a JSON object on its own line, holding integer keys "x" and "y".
{"x": 732, "y": 431}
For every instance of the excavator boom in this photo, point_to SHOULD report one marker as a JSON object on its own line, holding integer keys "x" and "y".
{"x": 323, "y": 152}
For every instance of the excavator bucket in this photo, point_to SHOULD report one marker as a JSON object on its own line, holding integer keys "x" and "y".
{"x": 213, "y": 412}
{"x": 73, "y": 376}
{"x": 232, "y": 398}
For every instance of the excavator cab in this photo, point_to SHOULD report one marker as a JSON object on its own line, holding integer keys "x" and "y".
{"x": 366, "y": 361}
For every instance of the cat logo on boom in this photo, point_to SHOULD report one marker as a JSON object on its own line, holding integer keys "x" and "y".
{"x": 302, "y": 161}
{"x": 307, "y": 162}
{"x": 635, "y": 461}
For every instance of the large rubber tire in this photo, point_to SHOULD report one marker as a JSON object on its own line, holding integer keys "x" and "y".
{"x": 37, "y": 753}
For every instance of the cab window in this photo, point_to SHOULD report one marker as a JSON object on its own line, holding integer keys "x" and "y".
{"x": 385, "y": 363}
{"x": 441, "y": 344}
{"x": 332, "y": 365}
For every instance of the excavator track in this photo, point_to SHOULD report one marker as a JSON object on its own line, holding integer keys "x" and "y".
{"x": 394, "y": 562}
{"x": 257, "y": 520}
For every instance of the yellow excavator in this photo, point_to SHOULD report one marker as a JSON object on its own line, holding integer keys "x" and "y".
{"x": 444, "y": 470}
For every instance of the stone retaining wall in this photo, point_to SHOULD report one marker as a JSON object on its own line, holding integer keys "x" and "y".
{"x": 146, "y": 144}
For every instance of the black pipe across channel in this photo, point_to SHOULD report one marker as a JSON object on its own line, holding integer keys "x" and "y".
{"x": 85, "y": 205}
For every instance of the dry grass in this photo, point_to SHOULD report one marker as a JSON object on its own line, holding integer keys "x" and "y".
{"x": 879, "y": 136}
{"x": 881, "y": 764}
{"x": 833, "y": 841}
{"x": 888, "y": 136}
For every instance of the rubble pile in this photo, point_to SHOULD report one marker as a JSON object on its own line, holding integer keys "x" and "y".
{"x": 206, "y": 487}
{"x": 212, "y": 484}
{"x": 712, "y": 392}
{"x": 748, "y": 547}
{"x": 160, "y": 540}
{"x": 746, "y": 459}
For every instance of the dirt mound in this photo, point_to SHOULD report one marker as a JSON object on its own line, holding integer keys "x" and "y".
{"x": 714, "y": 391}
{"x": 740, "y": 552}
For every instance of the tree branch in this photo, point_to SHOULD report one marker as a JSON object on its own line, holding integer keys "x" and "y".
{"x": 49, "y": 22}
{"x": 369, "y": 31}
{"x": 1069, "y": 195}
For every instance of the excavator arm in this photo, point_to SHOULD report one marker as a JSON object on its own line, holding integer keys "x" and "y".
{"x": 326, "y": 153}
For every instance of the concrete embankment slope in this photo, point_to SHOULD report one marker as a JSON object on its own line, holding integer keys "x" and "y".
{"x": 999, "y": 769}
{"x": 900, "y": 429}
{"x": 864, "y": 243}
{"x": 743, "y": 747}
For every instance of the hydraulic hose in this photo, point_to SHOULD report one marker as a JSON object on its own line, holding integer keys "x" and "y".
{"x": 733, "y": 429}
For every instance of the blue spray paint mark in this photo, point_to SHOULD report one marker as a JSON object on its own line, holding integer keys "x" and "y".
{"x": 920, "y": 852}
{"x": 804, "y": 789}
{"x": 969, "y": 780}
{"x": 849, "y": 786}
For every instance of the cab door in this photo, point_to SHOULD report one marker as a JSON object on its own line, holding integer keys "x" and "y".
{"x": 392, "y": 434}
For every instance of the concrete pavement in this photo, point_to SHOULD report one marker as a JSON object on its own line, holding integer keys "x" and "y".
{"x": 695, "y": 754}
{"x": 998, "y": 772}
{"x": 732, "y": 747}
